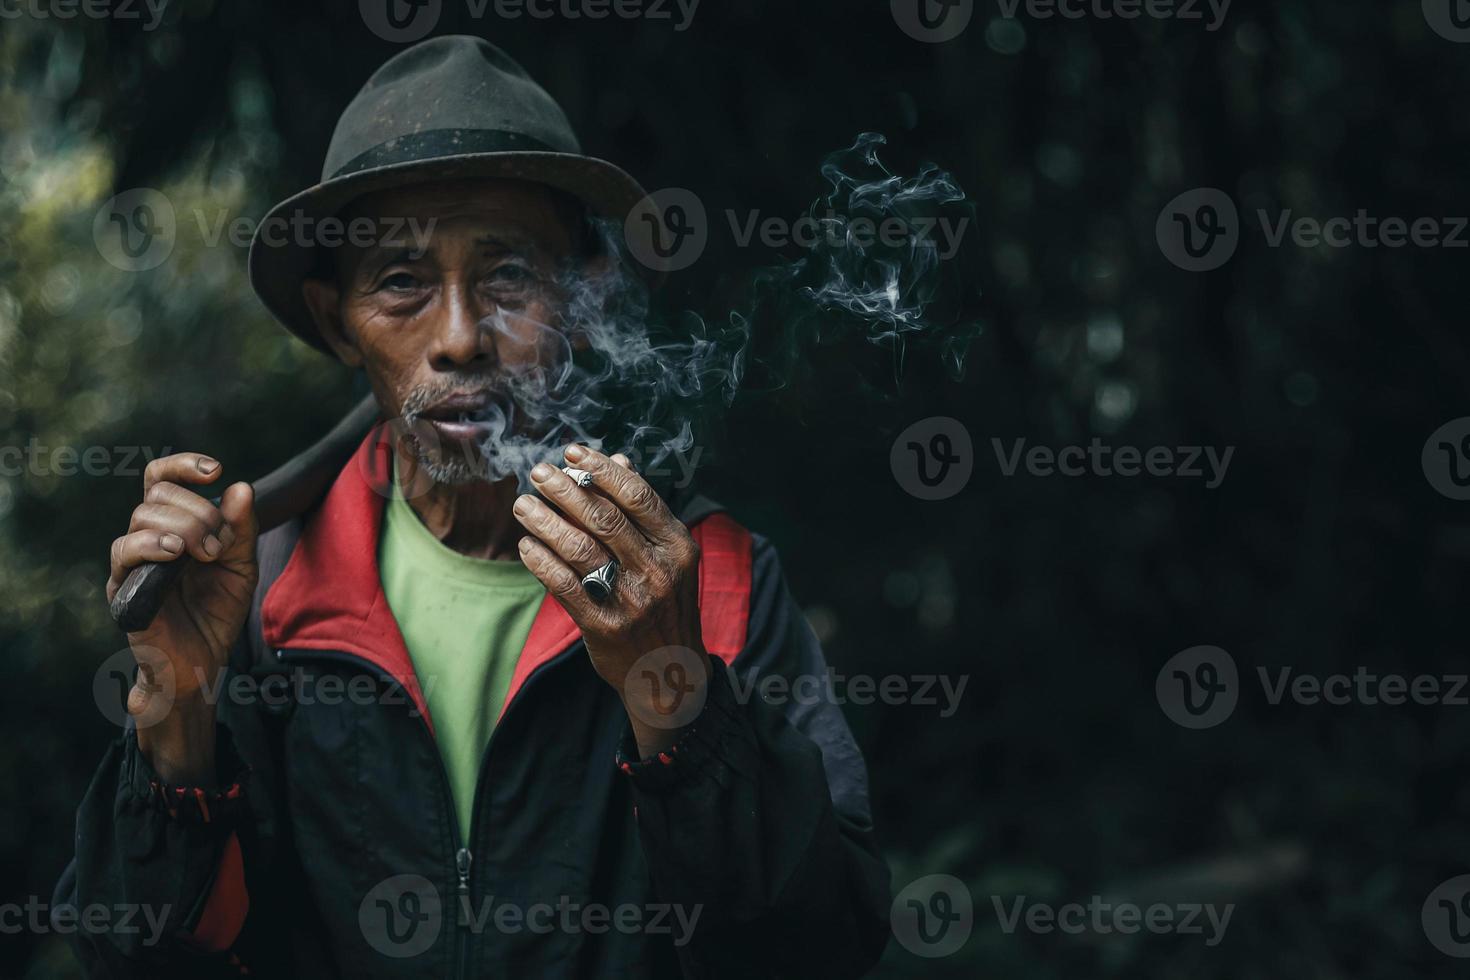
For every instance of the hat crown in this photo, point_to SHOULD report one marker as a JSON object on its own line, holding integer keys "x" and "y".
{"x": 447, "y": 85}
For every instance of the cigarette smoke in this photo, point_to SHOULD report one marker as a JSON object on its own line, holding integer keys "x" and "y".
{"x": 897, "y": 293}
{"x": 620, "y": 379}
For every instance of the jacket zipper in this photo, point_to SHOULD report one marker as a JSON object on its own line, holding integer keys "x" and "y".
{"x": 463, "y": 858}
{"x": 466, "y": 857}
{"x": 463, "y": 862}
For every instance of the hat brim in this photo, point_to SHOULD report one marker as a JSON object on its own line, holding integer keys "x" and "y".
{"x": 278, "y": 268}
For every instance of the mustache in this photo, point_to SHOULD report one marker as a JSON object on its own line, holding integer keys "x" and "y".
{"x": 423, "y": 397}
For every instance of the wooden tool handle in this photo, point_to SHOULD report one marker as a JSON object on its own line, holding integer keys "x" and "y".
{"x": 280, "y": 496}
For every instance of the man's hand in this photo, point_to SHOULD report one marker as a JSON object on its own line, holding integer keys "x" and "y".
{"x": 189, "y": 640}
{"x": 654, "y": 604}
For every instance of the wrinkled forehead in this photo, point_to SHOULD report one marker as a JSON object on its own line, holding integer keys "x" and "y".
{"x": 516, "y": 213}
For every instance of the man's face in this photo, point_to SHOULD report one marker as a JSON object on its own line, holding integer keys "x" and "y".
{"x": 449, "y": 334}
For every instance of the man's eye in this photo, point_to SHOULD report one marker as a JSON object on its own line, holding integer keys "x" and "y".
{"x": 398, "y": 282}
{"x": 512, "y": 274}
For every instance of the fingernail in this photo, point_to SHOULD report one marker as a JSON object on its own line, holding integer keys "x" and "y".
{"x": 207, "y": 465}
{"x": 226, "y": 536}
{"x": 211, "y": 546}
{"x": 524, "y": 503}
{"x": 171, "y": 543}
{"x": 525, "y": 545}
{"x": 574, "y": 452}
{"x": 540, "y": 472}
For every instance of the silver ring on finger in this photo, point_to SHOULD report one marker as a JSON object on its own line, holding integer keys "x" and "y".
{"x": 598, "y": 583}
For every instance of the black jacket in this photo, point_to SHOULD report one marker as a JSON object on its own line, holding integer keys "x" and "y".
{"x": 333, "y": 848}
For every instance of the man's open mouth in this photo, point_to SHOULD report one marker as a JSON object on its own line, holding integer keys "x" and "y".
{"x": 467, "y": 417}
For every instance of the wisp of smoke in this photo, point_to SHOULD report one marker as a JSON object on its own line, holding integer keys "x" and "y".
{"x": 883, "y": 265}
{"x": 619, "y": 379}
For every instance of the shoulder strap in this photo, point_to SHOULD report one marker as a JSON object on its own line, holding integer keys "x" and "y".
{"x": 272, "y": 552}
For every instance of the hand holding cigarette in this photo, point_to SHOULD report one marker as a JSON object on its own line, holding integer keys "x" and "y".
{"x": 605, "y": 512}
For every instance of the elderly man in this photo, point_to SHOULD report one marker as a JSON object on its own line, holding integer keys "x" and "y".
{"x": 487, "y": 733}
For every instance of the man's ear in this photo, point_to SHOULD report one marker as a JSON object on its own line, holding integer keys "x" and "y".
{"x": 323, "y": 299}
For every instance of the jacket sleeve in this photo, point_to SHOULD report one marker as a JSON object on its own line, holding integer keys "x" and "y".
{"x": 194, "y": 860}
{"x": 760, "y": 815}
{"x": 170, "y": 856}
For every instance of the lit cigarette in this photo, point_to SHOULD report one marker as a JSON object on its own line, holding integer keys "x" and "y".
{"x": 582, "y": 477}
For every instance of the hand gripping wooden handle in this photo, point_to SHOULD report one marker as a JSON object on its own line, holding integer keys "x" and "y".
{"x": 280, "y": 496}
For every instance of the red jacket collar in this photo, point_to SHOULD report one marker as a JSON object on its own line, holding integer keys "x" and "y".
{"x": 330, "y": 594}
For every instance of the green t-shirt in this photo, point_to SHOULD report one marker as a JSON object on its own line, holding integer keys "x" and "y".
{"x": 464, "y": 621}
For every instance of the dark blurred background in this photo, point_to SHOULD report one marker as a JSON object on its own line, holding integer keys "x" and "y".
{"x": 1060, "y": 777}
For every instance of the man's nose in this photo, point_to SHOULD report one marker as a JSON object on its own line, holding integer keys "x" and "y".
{"x": 459, "y": 338}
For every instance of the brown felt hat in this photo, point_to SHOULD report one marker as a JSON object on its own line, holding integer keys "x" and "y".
{"x": 447, "y": 108}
